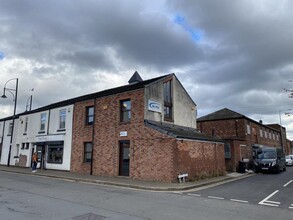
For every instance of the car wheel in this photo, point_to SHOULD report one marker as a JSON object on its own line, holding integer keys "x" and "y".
{"x": 284, "y": 169}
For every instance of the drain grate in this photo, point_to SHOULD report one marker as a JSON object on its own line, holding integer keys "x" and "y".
{"x": 89, "y": 216}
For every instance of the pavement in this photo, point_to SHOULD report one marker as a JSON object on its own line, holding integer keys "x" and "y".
{"x": 125, "y": 181}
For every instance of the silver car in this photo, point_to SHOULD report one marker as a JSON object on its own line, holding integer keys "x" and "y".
{"x": 289, "y": 161}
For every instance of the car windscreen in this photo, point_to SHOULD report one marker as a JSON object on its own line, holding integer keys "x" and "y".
{"x": 266, "y": 155}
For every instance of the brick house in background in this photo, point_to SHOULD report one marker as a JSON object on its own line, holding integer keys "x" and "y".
{"x": 283, "y": 141}
{"x": 144, "y": 130}
{"x": 240, "y": 133}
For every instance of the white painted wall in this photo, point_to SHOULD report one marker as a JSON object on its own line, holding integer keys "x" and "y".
{"x": 33, "y": 136}
{"x": 6, "y": 142}
{"x": 184, "y": 109}
{"x": 1, "y": 130}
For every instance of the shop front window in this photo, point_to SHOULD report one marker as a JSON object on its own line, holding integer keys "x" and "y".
{"x": 55, "y": 154}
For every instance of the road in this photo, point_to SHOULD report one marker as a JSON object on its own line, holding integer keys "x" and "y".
{"x": 273, "y": 190}
{"x": 34, "y": 197}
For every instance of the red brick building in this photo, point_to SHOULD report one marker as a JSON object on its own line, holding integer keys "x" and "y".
{"x": 145, "y": 130}
{"x": 240, "y": 133}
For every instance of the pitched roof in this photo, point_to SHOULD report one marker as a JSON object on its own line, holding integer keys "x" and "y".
{"x": 103, "y": 93}
{"x": 224, "y": 113}
{"x": 177, "y": 131}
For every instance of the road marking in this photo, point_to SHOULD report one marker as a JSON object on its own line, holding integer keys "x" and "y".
{"x": 237, "y": 200}
{"x": 191, "y": 194}
{"x": 291, "y": 207}
{"x": 177, "y": 193}
{"x": 214, "y": 197}
{"x": 288, "y": 183}
{"x": 265, "y": 201}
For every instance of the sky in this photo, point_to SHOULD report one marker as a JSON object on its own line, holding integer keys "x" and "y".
{"x": 227, "y": 54}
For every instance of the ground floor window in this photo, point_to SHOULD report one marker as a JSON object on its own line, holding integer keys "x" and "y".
{"x": 88, "y": 148}
{"x": 55, "y": 154}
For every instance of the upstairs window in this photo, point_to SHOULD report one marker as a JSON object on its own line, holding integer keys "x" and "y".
{"x": 89, "y": 115}
{"x": 10, "y": 129}
{"x": 125, "y": 110}
{"x": 248, "y": 129}
{"x": 43, "y": 121}
{"x": 62, "y": 118}
{"x": 25, "y": 124}
{"x": 168, "y": 103}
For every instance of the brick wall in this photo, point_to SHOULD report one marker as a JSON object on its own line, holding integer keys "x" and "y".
{"x": 153, "y": 155}
{"x": 200, "y": 159}
{"x": 80, "y": 133}
{"x": 234, "y": 131}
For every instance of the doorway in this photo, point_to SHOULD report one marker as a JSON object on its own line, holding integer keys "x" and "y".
{"x": 124, "y": 156}
{"x": 41, "y": 156}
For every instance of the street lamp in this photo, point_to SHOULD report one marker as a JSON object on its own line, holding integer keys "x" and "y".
{"x": 285, "y": 113}
{"x": 281, "y": 128}
{"x": 14, "y": 94}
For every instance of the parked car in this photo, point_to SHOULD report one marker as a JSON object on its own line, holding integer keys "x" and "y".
{"x": 289, "y": 160}
{"x": 269, "y": 159}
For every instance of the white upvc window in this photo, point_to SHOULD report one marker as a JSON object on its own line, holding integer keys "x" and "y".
{"x": 62, "y": 118}
{"x": 10, "y": 128}
{"x": 43, "y": 121}
{"x": 25, "y": 124}
{"x": 248, "y": 129}
{"x": 260, "y": 132}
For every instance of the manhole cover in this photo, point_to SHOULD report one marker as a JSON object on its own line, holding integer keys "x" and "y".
{"x": 89, "y": 216}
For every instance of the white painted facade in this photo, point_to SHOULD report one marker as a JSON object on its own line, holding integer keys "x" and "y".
{"x": 184, "y": 108}
{"x": 41, "y": 131}
{"x": 5, "y": 138}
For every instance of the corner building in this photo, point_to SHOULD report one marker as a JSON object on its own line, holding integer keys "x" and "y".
{"x": 145, "y": 130}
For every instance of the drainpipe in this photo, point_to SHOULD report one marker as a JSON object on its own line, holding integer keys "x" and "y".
{"x": 93, "y": 137}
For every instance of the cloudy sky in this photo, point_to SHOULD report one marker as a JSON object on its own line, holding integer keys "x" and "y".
{"x": 233, "y": 54}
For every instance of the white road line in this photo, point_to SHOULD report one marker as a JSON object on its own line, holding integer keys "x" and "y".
{"x": 265, "y": 201}
{"x": 178, "y": 193}
{"x": 288, "y": 183}
{"x": 191, "y": 194}
{"x": 214, "y": 197}
{"x": 291, "y": 207}
{"x": 237, "y": 200}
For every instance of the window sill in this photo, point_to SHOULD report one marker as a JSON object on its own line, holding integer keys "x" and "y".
{"x": 168, "y": 119}
{"x": 24, "y": 134}
{"x": 41, "y": 132}
{"x": 60, "y": 130}
{"x": 124, "y": 122}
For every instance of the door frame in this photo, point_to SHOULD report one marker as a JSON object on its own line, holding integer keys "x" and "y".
{"x": 124, "y": 163}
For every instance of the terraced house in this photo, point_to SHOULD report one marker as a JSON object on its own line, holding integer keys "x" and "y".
{"x": 144, "y": 130}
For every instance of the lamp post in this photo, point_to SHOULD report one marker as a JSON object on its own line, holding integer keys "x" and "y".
{"x": 281, "y": 128}
{"x": 14, "y": 94}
